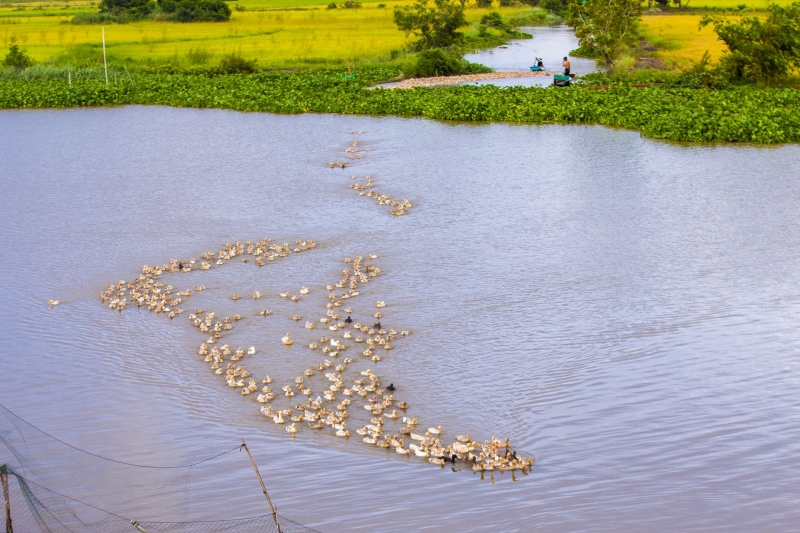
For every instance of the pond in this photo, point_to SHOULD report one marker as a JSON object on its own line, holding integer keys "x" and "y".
{"x": 625, "y": 310}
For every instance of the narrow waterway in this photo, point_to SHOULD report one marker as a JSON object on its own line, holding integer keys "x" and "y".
{"x": 551, "y": 43}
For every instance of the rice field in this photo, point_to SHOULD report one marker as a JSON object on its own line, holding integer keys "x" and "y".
{"x": 678, "y": 38}
{"x": 279, "y": 33}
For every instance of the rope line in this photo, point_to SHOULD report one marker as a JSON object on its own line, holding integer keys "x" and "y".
{"x": 237, "y": 447}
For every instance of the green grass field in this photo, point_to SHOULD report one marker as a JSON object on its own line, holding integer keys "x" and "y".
{"x": 279, "y": 33}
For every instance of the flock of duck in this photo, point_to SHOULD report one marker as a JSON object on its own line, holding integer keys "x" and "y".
{"x": 336, "y": 389}
{"x": 399, "y": 207}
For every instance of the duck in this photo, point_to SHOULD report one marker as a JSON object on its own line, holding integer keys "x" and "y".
{"x": 287, "y": 341}
{"x": 52, "y": 303}
{"x": 309, "y": 325}
{"x": 256, "y": 295}
{"x": 303, "y": 291}
{"x": 235, "y": 296}
{"x": 391, "y": 387}
{"x": 251, "y": 350}
{"x": 435, "y": 431}
{"x": 278, "y": 419}
{"x": 380, "y": 304}
{"x": 292, "y": 428}
{"x": 343, "y": 433}
{"x": 348, "y": 320}
{"x": 265, "y": 312}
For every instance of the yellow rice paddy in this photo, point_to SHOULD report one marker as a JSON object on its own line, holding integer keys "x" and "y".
{"x": 268, "y": 30}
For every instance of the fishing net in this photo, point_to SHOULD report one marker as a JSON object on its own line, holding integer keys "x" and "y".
{"x": 52, "y": 486}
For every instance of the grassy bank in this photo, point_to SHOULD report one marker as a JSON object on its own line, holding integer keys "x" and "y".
{"x": 743, "y": 114}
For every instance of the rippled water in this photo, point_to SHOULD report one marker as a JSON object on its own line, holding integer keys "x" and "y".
{"x": 551, "y": 43}
{"x": 625, "y": 309}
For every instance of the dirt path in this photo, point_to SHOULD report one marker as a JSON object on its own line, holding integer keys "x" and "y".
{"x": 467, "y": 78}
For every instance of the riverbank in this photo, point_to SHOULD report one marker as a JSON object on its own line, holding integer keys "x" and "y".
{"x": 741, "y": 114}
{"x": 444, "y": 81}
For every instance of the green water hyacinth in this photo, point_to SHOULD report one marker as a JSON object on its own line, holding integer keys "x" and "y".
{"x": 741, "y": 114}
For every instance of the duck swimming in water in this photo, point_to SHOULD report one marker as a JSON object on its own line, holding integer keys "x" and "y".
{"x": 348, "y": 320}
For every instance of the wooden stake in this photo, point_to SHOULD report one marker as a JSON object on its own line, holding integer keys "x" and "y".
{"x": 4, "y": 479}
{"x": 263, "y": 488}
{"x": 105, "y": 65}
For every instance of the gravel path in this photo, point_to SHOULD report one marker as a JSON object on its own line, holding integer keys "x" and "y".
{"x": 456, "y": 80}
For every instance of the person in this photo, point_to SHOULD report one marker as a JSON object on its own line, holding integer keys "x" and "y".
{"x": 566, "y": 66}
{"x": 539, "y": 62}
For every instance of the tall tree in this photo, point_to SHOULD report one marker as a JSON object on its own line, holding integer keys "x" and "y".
{"x": 603, "y": 25}
{"x": 436, "y": 26}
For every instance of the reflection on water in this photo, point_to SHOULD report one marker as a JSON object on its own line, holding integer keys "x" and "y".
{"x": 626, "y": 310}
{"x": 551, "y": 43}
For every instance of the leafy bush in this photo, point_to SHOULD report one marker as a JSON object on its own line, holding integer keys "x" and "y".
{"x": 94, "y": 18}
{"x": 351, "y": 4}
{"x": 381, "y": 6}
{"x": 483, "y": 3}
{"x": 17, "y": 58}
{"x": 493, "y": 20}
{"x": 130, "y": 9}
{"x": 436, "y": 62}
{"x": 236, "y": 64}
{"x": 198, "y": 56}
{"x": 762, "y": 51}
{"x": 195, "y": 10}
{"x": 332, "y": 5}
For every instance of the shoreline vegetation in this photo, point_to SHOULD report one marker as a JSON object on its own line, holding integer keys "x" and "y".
{"x": 737, "y": 114}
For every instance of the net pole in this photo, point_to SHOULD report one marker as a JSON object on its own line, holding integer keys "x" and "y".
{"x": 4, "y": 479}
{"x": 263, "y": 488}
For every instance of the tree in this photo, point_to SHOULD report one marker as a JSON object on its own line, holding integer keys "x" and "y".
{"x": 436, "y": 26}
{"x": 132, "y": 8}
{"x": 17, "y": 58}
{"x": 603, "y": 25}
{"x": 763, "y": 51}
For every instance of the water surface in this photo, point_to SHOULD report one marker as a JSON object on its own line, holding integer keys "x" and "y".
{"x": 625, "y": 309}
{"x": 551, "y": 43}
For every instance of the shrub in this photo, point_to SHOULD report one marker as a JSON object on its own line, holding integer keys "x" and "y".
{"x": 332, "y": 5}
{"x": 195, "y": 10}
{"x": 198, "y": 56}
{"x": 434, "y": 62}
{"x": 494, "y": 20}
{"x": 17, "y": 58}
{"x": 381, "y": 6}
{"x": 509, "y": 3}
{"x": 93, "y": 18}
{"x": 483, "y": 3}
{"x": 236, "y": 64}
{"x": 351, "y": 4}
{"x": 131, "y": 9}
{"x": 762, "y": 51}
